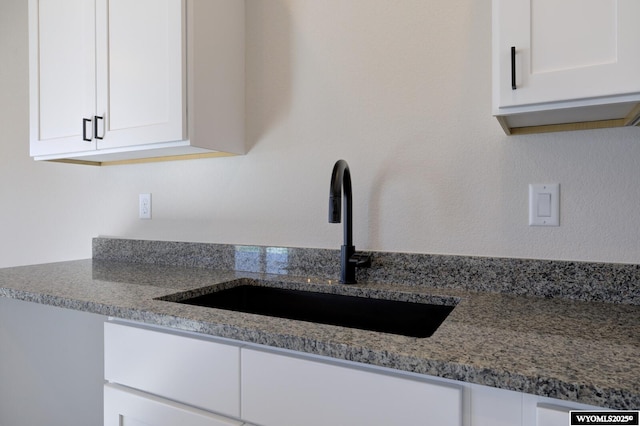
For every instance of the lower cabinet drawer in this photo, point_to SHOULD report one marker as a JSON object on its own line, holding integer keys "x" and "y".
{"x": 552, "y": 416}
{"x": 133, "y": 408}
{"x": 197, "y": 372}
{"x": 280, "y": 390}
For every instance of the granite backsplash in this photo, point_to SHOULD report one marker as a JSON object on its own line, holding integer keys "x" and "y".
{"x": 587, "y": 281}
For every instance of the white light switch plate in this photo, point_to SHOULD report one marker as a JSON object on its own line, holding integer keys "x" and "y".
{"x": 544, "y": 204}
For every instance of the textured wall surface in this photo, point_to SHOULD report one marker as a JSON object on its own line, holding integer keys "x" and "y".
{"x": 401, "y": 90}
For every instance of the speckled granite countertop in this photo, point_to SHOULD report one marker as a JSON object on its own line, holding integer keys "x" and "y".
{"x": 560, "y": 348}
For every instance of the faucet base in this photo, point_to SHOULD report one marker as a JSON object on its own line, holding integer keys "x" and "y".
{"x": 350, "y": 259}
{"x": 347, "y": 269}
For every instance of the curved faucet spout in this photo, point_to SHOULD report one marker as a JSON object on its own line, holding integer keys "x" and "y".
{"x": 341, "y": 185}
{"x": 341, "y": 178}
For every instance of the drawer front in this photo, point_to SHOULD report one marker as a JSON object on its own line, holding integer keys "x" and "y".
{"x": 200, "y": 373}
{"x": 280, "y": 390}
{"x": 123, "y": 406}
{"x": 552, "y": 416}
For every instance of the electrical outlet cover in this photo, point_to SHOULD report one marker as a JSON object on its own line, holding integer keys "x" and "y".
{"x": 145, "y": 206}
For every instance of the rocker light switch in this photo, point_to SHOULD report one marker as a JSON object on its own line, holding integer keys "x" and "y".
{"x": 544, "y": 205}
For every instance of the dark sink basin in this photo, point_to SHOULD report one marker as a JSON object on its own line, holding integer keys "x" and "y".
{"x": 388, "y": 316}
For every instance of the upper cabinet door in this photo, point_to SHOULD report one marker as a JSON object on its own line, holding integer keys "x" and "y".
{"x": 62, "y": 75}
{"x": 565, "y": 50}
{"x": 141, "y": 72}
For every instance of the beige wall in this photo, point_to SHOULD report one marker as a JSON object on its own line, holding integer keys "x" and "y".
{"x": 400, "y": 89}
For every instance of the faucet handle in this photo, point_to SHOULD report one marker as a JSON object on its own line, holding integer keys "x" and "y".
{"x": 361, "y": 260}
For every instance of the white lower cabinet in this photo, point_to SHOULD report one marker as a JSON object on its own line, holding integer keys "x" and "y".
{"x": 123, "y": 406}
{"x": 283, "y": 390}
{"x": 498, "y": 407}
{"x": 51, "y": 369}
{"x": 551, "y": 416}
{"x": 541, "y": 411}
{"x": 161, "y": 377}
{"x": 196, "y": 371}
{"x": 494, "y": 407}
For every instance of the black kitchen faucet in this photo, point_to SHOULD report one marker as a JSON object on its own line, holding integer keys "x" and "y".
{"x": 349, "y": 258}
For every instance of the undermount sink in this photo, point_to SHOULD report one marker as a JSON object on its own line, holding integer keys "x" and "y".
{"x": 383, "y": 315}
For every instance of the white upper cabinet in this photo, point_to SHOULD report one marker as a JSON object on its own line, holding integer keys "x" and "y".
{"x": 115, "y": 80}
{"x": 567, "y": 61}
{"x": 62, "y": 75}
